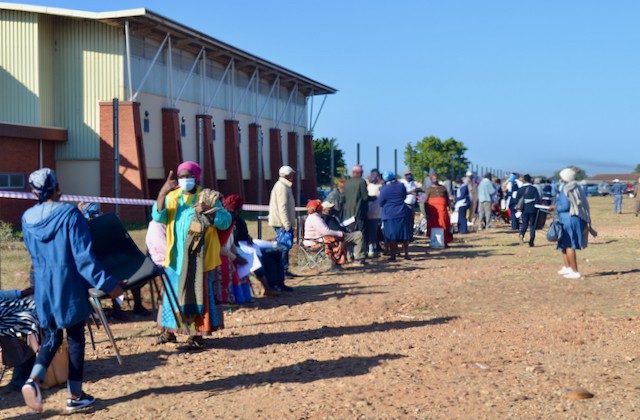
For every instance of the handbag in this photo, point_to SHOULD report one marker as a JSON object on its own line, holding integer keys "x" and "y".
{"x": 285, "y": 239}
{"x": 554, "y": 234}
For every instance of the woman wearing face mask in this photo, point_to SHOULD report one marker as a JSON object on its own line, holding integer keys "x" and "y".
{"x": 178, "y": 204}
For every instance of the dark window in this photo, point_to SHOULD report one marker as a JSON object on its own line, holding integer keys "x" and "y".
{"x": 12, "y": 181}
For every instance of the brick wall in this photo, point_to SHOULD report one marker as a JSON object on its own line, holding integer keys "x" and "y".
{"x": 233, "y": 184}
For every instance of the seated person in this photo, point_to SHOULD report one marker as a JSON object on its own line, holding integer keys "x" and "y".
{"x": 18, "y": 314}
{"x": 351, "y": 238}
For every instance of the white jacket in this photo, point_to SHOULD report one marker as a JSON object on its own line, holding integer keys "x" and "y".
{"x": 282, "y": 207}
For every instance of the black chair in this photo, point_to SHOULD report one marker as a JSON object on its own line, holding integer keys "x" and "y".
{"x": 121, "y": 258}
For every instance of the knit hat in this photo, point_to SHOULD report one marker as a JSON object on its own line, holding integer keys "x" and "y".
{"x": 192, "y": 167}
{"x": 568, "y": 175}
{"x": 233, "y": 202}
{"x": 388, "y": 176}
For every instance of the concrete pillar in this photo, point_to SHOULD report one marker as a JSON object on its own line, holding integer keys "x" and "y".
{"x": 309, "y": 184}
{"x": 233, "y": 184}
{"x": 133, "y": 168}
{"x": 208, "y": 178}
{"x": 275, "y": 155}
{"x": 171, "y": 141}
{"x": 292, "y": 160}
{"x": 251, "y": 185}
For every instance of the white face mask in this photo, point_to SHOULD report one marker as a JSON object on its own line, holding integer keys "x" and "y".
{"x": 187, "y": 184}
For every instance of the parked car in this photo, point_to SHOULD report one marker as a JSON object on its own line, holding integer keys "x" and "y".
{"x": 603, "y": 189}
{"x": 593, "y": 190}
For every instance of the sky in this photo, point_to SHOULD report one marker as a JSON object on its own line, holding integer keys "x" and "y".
{"x": 527, "y": 86}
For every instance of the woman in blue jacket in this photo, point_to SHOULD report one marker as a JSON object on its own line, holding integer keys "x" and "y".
{"x": 394, "y": 214}
{"x": 58, "y": 240}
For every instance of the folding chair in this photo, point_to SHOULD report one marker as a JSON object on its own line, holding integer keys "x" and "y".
{"x": 311, "y": 257}
{"x": 121, "y": 258}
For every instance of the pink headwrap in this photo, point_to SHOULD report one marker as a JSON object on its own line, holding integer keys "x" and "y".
{"x": 192, "y": 167}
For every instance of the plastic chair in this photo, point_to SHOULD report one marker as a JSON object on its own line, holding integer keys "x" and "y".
{"x": 121, "y": 258}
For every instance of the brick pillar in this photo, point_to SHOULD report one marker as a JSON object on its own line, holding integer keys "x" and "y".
{"x": 171, "y": 141}
{"x": 133, "y": 168}
{"x": 208, "y": 178}
{"x": 251, "y": 185}
{"x": 310, "y": 183}
{"x": 233, "y": 184}
{"x": 292, "y": 160}
{"x": 275, "y": 155}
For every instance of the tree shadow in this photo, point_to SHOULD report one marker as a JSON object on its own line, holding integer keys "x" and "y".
{"x": 263, "y": 340}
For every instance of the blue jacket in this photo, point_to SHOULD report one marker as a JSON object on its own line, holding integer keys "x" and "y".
{"x": 618, "y": 189}
{"x": 57, "y": 237}
{"x": 391, "y": 200}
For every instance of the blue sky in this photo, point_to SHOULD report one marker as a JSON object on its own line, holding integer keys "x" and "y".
{"x": 528, "y": 86}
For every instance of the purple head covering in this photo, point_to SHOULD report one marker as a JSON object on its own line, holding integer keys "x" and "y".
{"x": 192, "y": 167}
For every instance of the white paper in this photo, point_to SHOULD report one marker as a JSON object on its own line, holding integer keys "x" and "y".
{"x": 348, "y": 221}
{"x": 253, "y": 262}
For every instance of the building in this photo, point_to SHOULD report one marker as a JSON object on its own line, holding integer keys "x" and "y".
{"x": 628, "y": 178}
{"x": 182, "y": 95}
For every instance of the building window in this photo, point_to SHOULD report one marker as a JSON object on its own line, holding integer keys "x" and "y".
{"x": 12, "y": 181}
{"x": 183, "y": 128}
{"x": 145, "y": 122}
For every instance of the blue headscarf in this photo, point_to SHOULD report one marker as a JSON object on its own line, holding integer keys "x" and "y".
{"x": 44, "y": 182}
{"x": 388, "y": 176}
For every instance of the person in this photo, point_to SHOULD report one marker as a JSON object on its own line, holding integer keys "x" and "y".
{"x": 574, "y": 215}
{"x": 374, "y": 223}
{"x": 636, "y": 194}
{"x": 529, "y": 194}
{"x": 617, "y": 190}
{"x": 18, "y": 319}
{"x": 437, "y": 198}
{"x": 394, "y": 215}
{"x": 335, "y": 197}
{"x": 193, "y": 217}
{"x": 354, "y": 201}
{"x": 511, "y": 189}
{"x": 316, "y": 228}
{"x": 64, "y": 268}
{"x": 463, "y": 200}
{"x": 90, "y": 211}
{"x": 282, "y": 215}
{"x": 486, "y": 190}
{"x": 317, "y": 232}
{"x": 156, "y": 242}
{"x": 473, "y": 197}
{"x": 233, "y": 204}
{"x": 547, "y": 193}
{"x": 410, "y": 200}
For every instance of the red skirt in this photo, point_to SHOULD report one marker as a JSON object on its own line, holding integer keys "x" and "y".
{"x": 439, "y": 217}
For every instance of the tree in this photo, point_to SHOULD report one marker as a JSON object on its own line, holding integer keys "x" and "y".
{"x": 580, "y": 173}
{"x": 637, "y": 170}
{"x": 322, "y": 152}
{"x": 446, "y": 157}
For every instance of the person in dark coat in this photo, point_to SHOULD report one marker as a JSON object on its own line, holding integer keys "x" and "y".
{"x": 355, "y": 201}
{"x": 394, "y": 214}
{"x": 529, "y": 210}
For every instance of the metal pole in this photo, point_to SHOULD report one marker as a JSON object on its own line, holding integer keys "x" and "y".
{"x": 260, "y": 180}
{"x": 128, "y": 48}
{"x": 201, "y": 142}
{"x": 116, "y": 154}
{"x": 395, "y": 161}
{"x": 358, "y": 154}
{"x": 332, "y": 169}
{"x": 410, "y": 158}
{"x": 378, "y": 158}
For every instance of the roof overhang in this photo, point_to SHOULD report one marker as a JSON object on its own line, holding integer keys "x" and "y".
{"x": 152, "y": 25}
{"x": 33, "y": 132}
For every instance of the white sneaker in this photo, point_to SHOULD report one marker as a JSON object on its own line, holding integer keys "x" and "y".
{"x": 565, "y": 270}
{"x": 572, "y": 275}
{"x": 32, "y": 395}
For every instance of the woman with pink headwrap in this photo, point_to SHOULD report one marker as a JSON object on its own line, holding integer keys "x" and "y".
{"x": 182, "y": 206}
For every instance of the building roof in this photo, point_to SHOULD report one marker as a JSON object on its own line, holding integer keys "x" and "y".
{"x": 152, "y": 25}
{"x": 630, "y": 178}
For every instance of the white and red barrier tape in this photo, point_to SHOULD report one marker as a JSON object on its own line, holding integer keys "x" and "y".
{"x": 111, "y": 200}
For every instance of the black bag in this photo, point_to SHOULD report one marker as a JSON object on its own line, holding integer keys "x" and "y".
{"x": 554, "y": 234}
{"x": 272, "y": 264}
{"x": 520, "y": 204}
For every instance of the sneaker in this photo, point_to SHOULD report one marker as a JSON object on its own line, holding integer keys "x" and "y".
{"x": 84, "y": 400}
{"x": 565, "y": 270}
{"x": 32, "y": 395}
{"x": 521, "y": 237}
{"x": 572, "y": 275}
{"x": 371, "y": 254}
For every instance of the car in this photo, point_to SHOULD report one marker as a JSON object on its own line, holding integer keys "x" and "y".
{"x": 604, "y": 190}
{"x": 593, "y": 190}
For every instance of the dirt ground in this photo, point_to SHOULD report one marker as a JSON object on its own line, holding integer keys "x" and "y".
{"x": 483, "y": 329}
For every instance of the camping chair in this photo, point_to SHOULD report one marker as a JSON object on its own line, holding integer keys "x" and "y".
{"x": 311, "y": 257}
{"x": 121, "y": 258}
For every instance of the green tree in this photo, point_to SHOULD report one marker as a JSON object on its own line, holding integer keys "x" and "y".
{"x": 637, "y": 170}
{"x": 580, "y": 173}
{"x": 322, "y": 152}
{"x": 446, "y": 157}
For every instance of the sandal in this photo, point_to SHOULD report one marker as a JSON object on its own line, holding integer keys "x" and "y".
{"x": 167, "y": 337}
{"x": 195, "y": 343}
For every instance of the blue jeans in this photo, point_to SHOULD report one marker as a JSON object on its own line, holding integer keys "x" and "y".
{"x": 51, "y": 342}
{"x": 462, "y": 219}
{"x": 514, "y": 220}
{"x": 285, "y": 250}
{"x": 617, "y": 203}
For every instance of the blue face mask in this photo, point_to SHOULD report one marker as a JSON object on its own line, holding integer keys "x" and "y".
{"x": 187, "y": 184}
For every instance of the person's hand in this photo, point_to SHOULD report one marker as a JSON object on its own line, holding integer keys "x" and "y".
{"x": 169, "y": 185}
{"x": 118, "y": 291}
{"x": 552, "y": 207}
{"x": 26, "y": 292}
{"x": 240, "y": 260}
{"x": 201, "y": 208}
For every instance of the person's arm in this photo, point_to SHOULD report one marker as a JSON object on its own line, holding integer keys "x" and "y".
{"x": 321, "y": 227}
{"x": 86, "y": 263}
{"x": 222, "y": 218}
{"x": 169, "y": 185}
{"x": 10, "y": 294}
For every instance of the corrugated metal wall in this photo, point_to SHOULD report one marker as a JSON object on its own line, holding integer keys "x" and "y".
{"x": 19, "y": 67}
{"x": 88, "y": 69}
{"x": 46, "y": 49}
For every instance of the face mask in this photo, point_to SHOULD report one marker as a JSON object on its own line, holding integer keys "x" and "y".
{"x": 409, "y": 178}
{"x": 187, "y": 184}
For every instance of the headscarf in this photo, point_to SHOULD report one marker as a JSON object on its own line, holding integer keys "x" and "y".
{"x": 568, "y": 175}
{"x": 314, "y": 206}
{"x": 388, "y": 176}
{"x": 233, "y": 203}
{"x": 512, "y": 177}
{"x": 44, "y": 182}
{"x": 192, "y": 167}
